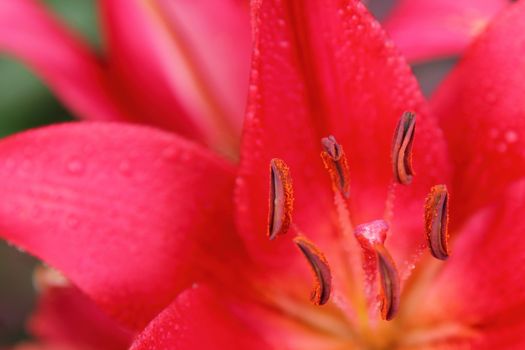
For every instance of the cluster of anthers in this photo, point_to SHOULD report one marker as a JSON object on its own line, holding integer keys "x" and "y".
{"x": 370, "y": 236}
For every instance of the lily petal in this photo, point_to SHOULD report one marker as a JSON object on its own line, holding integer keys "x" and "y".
{"x": 188, "y": 63}
{"x": 67, "y": 317}
{"x": 481, "y": 111}
{"x": 433, "y": 29}
{"x": 129, "y": 214}
{"x": 480, "y": 288}
{"x": 29, "y": 32}
{"x": 322, "y": 68}
{"x": 196, "y": 320}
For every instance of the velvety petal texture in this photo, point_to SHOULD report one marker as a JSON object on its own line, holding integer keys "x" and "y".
{"x": 66, "y": 317}
{"x": 197, "y": 320}
{"x": 183, "y": 65}
{"x": 129, "y": 214}
{"x": 72, "y": 71}
{"x": 481, "y": 111}
{"x": 433, "y": 29}
{"x": 321, "y": 68}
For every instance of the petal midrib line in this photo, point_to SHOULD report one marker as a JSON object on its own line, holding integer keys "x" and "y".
{"x": 221, "y": 121}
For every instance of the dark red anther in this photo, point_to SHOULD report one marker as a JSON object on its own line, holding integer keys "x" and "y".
{"x": 390, "y": 284}
{"x": 335, "y": 162}
{"x": 320, "y": 267}
{"x": 402, "y": 148}
{"x": 436, "y": 221}
{"x": 281, "y": 199}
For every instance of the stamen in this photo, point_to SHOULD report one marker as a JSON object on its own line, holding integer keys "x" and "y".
{"x": 402, "y": 148}
{"x": 320, "y": 267}
{"x": 390, "y": 286}
{"x": 436, "y": 221}
{"x": 281, "y": 199}
{"x": 335, "y": 162}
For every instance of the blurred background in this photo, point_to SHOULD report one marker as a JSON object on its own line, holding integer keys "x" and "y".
{"x": 26, "y": 103}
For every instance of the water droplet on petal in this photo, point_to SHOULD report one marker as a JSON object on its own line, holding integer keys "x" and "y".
{"x": 75, "y": 167}
{"x": 72, "y": 221}
{"x": 125, "y": 168}
{"x": 511, "y": 136}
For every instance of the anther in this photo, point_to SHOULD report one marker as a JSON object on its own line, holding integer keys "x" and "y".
{"x": 436, "y": 221}
{"x": 402, "y": 148}
{"x": 281, "y": 199}
{"x": 335, "y": 162}
{"x": 390, "y": 285}
{"x": 319, "y": 264}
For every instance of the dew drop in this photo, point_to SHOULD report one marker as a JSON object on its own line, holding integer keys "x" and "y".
{"x": 72, "y": 221}
{"x": 511, "y": 136}
{"x": 75, "y": 167}
{"x": 284, "y": 44}
{"x": 125, "y": 168}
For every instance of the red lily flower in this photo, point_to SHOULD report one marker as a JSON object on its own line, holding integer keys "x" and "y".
{"x": 147, "y": 230}
{"x": 168, "y": 69}
{"x": 439, "y": 28}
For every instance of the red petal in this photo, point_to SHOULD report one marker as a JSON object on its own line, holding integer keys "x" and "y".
{"x": 320, "y": 68}
{"x": 65, "y": 316}
{"x": 481, "y": 109}
{"x": 197, "y": 319}
{"x": 481, "y": 285}
{"x": 61, "y": 59}
{"x": 433, "y": 29}
{"x": 130, "y": 214}
{"x": 184, "y": 61}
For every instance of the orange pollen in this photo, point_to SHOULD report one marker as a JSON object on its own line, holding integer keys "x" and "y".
{"x": 281, "y": 199}
{"x": 319, "y": 264}
{"x": 402, "y": 148}
{"x": 389, "y": 281}
{"x": 436, "y": 221}
{"x": 335, "y": 162}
